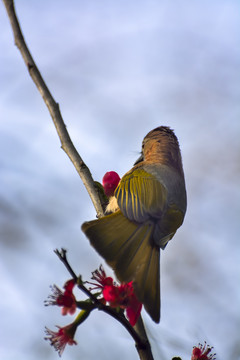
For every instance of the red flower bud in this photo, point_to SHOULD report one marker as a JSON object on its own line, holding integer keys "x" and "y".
{"x": 110, "y": 182}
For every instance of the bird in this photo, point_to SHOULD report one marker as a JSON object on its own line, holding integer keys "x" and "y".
{"x": 148, "y": 206}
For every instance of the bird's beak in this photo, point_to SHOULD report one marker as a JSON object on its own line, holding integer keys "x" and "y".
{"x": 139, "y": 159}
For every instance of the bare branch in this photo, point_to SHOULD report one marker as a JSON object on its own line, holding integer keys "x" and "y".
{"x": 53, "y": 107}
{"x": 67, "y": 145}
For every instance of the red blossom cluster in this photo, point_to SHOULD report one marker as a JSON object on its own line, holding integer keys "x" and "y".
{"x": 121, "y": 296}
{"x": 117, "y": 296}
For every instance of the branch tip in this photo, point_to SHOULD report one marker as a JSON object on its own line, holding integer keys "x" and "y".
{"x": 61, "y": 254}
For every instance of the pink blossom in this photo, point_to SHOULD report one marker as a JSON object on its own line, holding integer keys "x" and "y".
{"x": 202, "y": 352}
{"x": 59, "y": 339}
{"x": 64, "y": 299}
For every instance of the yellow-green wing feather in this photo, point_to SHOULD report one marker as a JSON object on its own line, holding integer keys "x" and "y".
{"x": 141, "y": 196}
{"x": 108, "y": 234}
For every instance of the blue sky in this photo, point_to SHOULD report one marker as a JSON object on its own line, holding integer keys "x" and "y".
{"x": 119, "y": 69}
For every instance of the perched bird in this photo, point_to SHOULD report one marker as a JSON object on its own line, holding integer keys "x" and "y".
{"x": 149, "y": 206}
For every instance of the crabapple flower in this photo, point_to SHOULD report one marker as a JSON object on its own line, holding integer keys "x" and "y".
{"x": 202, "y": 352}
{"x": 64, "y": 336}
{"x": 64, "y": 299}
{"x": 110, "y": 182}
{"x": 121, "y": 296}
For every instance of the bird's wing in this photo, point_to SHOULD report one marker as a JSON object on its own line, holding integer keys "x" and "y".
{"x": 141, "y": 196}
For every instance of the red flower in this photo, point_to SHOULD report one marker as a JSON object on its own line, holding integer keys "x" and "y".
{"x": 101, "y": 278}
{"x": 62, "y": 337}
{"x": 110, "y": 182}
{"x": 202, "y": 352}
{"x": 65, "y": 299}
{"x": 122, "y": 296}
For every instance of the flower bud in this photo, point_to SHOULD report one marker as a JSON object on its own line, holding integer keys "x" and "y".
{"x": 110, "y": 182}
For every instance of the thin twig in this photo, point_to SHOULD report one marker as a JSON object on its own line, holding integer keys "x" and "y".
{"x": 53, "y": 107}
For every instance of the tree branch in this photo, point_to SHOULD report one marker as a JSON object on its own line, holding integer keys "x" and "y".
{"x": 53, "y": 107}
{"x": 67, "y": 145}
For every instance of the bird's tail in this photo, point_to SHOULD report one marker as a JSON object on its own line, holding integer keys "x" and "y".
{"x": 129, "y": 249}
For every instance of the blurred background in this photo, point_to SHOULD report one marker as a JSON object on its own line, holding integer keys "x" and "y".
{"x": 119, "y": 69}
